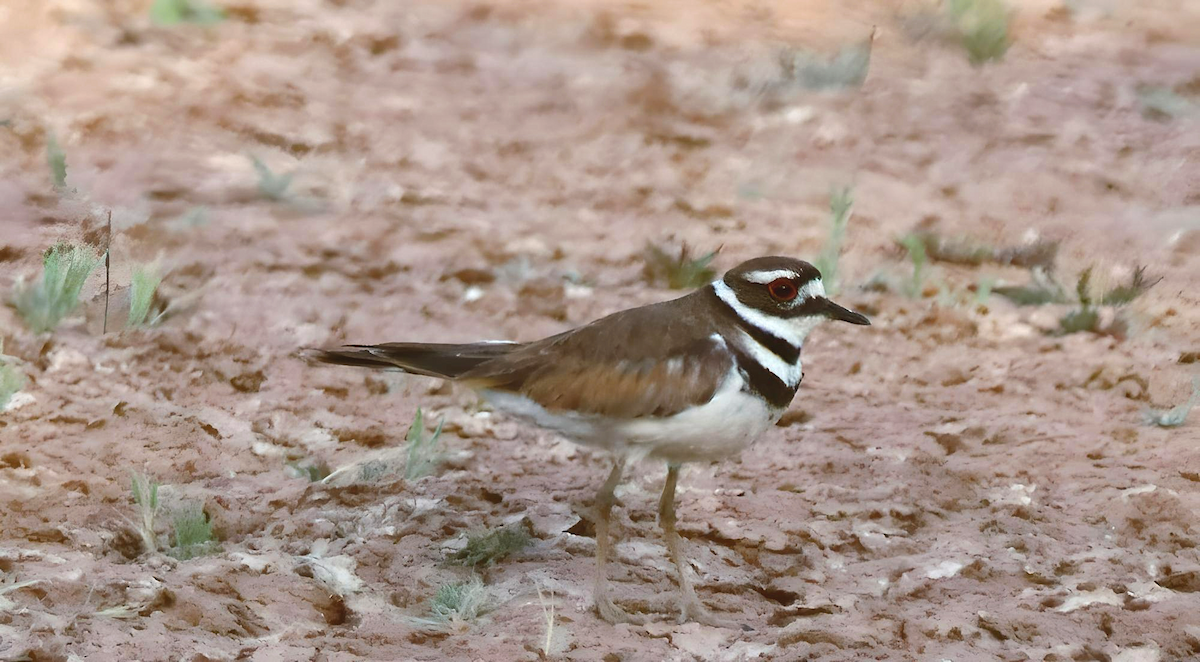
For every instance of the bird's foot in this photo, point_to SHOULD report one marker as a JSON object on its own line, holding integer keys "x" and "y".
{"x": 691, "y": 610}
{"x": 613, "y": 613}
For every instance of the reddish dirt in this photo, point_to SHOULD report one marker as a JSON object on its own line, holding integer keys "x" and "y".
{"x": 951, "y": 483}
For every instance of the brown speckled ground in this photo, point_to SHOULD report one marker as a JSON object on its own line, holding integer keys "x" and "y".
{"x": 953, "y": 484}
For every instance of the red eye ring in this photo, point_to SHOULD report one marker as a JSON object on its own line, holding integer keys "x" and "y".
{"x": 782, "y": 289}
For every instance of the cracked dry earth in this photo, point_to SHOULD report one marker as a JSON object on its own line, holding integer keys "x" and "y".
{"x": 952, "y": 483}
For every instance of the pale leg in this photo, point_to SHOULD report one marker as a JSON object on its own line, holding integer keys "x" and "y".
{"x": 605, "y": 499}
{"x": 690, "y": 607}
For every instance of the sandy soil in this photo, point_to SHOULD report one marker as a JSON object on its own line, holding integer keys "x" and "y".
{"x": 952, "y": 483}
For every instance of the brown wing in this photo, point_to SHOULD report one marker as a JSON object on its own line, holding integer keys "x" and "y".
{"x": 636, "y": 363}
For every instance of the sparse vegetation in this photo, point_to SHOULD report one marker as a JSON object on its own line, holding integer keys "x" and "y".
{"x": 1125, "y": 294}
{"x": 965, "y": 251}
{"x": 846, "y": 68}
{"x": 679, "y": 273}
{"x": 420, "y": 457}
{"x": 1085, "y": 316}
{"x": 190, "y": 526}
{"x": 488, "y": 547}
{"x": 193, "y": 533}
{"x": 456, "y": 605}
{"x": 1041, "y": 290}
{"x": 1178, "y": 415}
{"x": 915, "y": 285}
{"x": 45, "y": 303}
{"x": 56, "y": 158}
{"x": 422, "y": 454}
{"x": 310, "y": 470}
{"x": 982, "y": 27}
{"x": 12, "y": 380}
{"x": 145, "y": 496}
{"x": 191, "y": 219}
{"x": 1163, "y": 103}
{"x": 841, "y": 202}
{"x": 175, "y": 12}
{"x": 141, "y": 295}
{"x": 272, "y": 185}
{"x": 983, "y": 290}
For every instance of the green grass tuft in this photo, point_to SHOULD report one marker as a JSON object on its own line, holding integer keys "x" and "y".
{"x": 145, "y": 496}
{"x": 456, "y": 605}
{"x": 56, "y": 158}
{"x": 176, "y": 12}
{"x": 141, "y": 296}
{"x": 1086, "y": 317}
{"x": 488, "y": 547}
{"x": 841, "y": 201}
{"x": 983, "y": 28}
{"x": 1125, "y": 294}
{"x": 271, "y": 185}
{"x": 423, "y": 455}
{"x": 194, "y": 536}
{"x": 1163, "y": 103}
{"x": 311, "y": 470}
{"x": 916, "y": 255}
{"x": 12, "y": 380}
{"x": 65, "y": 268}
{"x": 1178, "y": 415}
{"x": 679, "y": 273}
{"x": 845, "y": 69}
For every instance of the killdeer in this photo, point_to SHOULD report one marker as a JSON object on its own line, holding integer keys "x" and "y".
{"x": 694, "y": 379}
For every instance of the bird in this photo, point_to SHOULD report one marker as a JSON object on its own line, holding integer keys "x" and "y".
{"x": 693, "y": 379}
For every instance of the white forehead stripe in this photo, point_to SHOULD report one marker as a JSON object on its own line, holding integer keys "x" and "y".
{"x": 764, "y": 277}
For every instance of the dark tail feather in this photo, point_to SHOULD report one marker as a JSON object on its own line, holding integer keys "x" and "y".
{"x": 430, "y": 359}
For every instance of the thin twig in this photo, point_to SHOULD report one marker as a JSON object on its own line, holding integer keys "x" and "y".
{"x": 107, "y": 269}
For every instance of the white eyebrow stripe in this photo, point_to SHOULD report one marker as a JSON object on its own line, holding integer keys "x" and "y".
{"x": 764, "y": 277}
{"x": 814, "y": 288}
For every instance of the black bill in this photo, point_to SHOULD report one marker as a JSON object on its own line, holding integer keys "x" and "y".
{"x": 836, "y": 312}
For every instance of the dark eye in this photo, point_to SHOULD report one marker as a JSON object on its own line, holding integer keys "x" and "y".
{"x": 782, "y": 289}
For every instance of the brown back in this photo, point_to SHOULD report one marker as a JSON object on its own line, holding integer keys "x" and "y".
{"x": 655, "y": 360}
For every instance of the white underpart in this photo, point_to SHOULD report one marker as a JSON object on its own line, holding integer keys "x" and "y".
{"x": 723, "y": 426}
{"x": 792, "y": 330}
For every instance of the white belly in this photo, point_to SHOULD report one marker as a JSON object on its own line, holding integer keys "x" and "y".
{"x": 723, "y": 426}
